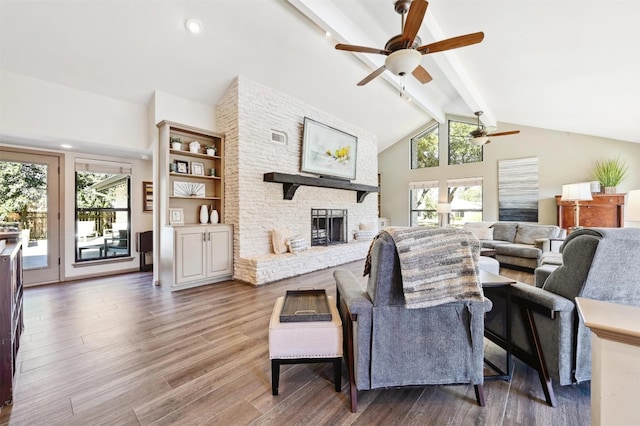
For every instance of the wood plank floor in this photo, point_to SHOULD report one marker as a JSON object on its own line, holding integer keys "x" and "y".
{"x": 119, "y": 351}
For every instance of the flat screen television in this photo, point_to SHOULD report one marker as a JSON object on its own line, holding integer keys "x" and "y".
{"x": 328, "y": 152}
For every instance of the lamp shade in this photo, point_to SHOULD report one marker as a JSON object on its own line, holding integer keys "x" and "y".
{"x": 444, "y": 208}
{"x": 403, "y": 61}
{"x": 576, "y": 192}
{"x": 633, "y": 206}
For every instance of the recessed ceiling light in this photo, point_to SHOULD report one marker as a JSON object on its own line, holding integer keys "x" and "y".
{"x": 327, "y": 34}
{"x": 193, "y": 25}
{"x": 66, "y": 146}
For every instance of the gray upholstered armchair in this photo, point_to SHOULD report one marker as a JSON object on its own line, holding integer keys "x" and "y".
{"x": 389, "y": 345}
{"x": 598, "y": 263}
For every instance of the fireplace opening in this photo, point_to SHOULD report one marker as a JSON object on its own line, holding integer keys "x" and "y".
{"x": 328, "y": 226}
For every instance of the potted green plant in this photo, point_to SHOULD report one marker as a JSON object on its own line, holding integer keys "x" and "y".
{"x": 610, "y": 173}
{"x": 211, "y": 150}
{"x": 176, "y": 143}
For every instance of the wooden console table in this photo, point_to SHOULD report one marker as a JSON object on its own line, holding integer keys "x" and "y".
{"x": 604, "y": 211}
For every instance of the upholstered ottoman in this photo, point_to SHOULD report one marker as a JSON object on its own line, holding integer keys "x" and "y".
{"x": 305, "y": 343}
{"x": 489, "y": 264}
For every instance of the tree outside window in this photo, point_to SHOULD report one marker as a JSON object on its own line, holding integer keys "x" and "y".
{"x": 461, "y": 151}
{"x": 424, "y": 203}
{"x": 424, "y": 149}
{"x": 465, "y": 196}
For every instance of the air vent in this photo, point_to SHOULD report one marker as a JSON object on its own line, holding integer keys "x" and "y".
{"x": 278, "y": 137}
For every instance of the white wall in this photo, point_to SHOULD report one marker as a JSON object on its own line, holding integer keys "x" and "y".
{"x": 562, "y": 158}
{"x": 40, "y": 110}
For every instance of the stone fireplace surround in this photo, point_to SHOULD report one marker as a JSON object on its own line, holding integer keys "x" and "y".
{"x": 247, "y": 114}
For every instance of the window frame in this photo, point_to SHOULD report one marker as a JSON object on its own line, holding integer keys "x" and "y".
{"x": 428, "y": 185}
{"x": 480, "y": 147}
{"x": 465, "y": 183}
{"x": 414, "y": 160}
{"x": 102, "y": 215}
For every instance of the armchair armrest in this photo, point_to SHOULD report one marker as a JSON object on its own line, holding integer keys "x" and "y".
{"x": 540, "y": 300}
{"x": 351, "y": 292}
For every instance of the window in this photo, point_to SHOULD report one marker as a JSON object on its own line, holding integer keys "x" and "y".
{"x": 424, "y": 149}
{"x": 465, "y": 196}
{"x": 103, "y": 210}
{"x": 461, "y": 151}
{"x": 424, "y": 201}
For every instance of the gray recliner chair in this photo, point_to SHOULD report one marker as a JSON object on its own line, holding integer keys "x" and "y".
{"x": 389, "y": 345}
{"x": 598, "y": 263}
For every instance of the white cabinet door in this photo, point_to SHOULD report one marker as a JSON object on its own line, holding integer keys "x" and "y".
{"x": 219, "y": 254}
{"x": 190, "y": 259}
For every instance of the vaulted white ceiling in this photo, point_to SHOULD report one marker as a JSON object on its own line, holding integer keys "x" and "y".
{"x": 564, "y": 65}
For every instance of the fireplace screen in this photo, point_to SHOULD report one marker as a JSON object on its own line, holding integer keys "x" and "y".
{"x": 328, "y": 226}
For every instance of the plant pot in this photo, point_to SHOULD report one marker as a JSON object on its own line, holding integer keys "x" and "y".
{"x": 176, "y": 146}
{"x": 211, "y": 152}
{"x": 610, "y": 190}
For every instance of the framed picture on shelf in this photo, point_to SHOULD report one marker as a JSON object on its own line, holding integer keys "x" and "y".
{"x": 197, "y": 168}
{"x": 176, "y": 217}
{"x": 182, "y": 166}
{"x": 147, "y": 197}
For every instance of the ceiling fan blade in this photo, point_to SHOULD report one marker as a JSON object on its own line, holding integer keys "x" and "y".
{"x": 422, "y": 75}
{"x": 361, "y": 49}
{"x": 372, "y": 76}
{"x": 452, "y": 43}
{"x": 414, "y": 19}
{"x": 511, "y": 132}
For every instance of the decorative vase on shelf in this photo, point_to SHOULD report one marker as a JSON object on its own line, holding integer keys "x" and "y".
{"x": 214, "y": 216}
{"x": 204, "y": 214}
{"x": 194, "y": 147}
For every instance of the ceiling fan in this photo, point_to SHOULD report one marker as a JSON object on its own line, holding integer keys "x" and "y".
{"x": 480, "y": 136}
{"x": 404, "y": 51}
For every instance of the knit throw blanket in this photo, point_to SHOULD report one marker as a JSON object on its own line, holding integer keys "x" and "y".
{"x": 438, "y": 265}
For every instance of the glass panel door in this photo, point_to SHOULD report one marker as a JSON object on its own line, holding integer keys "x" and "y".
{"x": 29, "y": 191}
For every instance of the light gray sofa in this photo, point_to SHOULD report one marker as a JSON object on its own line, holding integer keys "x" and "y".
{"x": 598, "y": 263}
{"x": 517, "y": 244}
{"x": 390, "y": 345}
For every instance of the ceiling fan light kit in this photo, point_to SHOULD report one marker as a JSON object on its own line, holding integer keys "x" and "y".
{"x": 480, "y": 140}
{"x": 403, "y": 61}
{"x": 480, "y": 136}
{"x": 403, "y": 51}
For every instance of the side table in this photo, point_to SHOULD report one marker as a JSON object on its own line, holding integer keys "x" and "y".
{"x": 497, "y": 283}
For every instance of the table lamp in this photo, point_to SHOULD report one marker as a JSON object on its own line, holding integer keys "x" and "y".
{"x": 577, "y": 192}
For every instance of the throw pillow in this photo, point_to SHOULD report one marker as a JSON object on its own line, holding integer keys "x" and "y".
{"x": 482, "y": 233}
{"x": 504, "y": 231}
{"x": 366, "y": 227}
{"x": 279, "y": 240}
{"x": 480, "y": 230}
{"x": 297, "y": 243}
{"x": 527, "y": 234}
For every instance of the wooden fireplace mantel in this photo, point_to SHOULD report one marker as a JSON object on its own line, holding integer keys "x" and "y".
{"x": 290, "y": 183}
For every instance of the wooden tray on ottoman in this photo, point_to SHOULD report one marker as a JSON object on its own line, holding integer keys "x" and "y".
{"x": 305, "y": 305}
